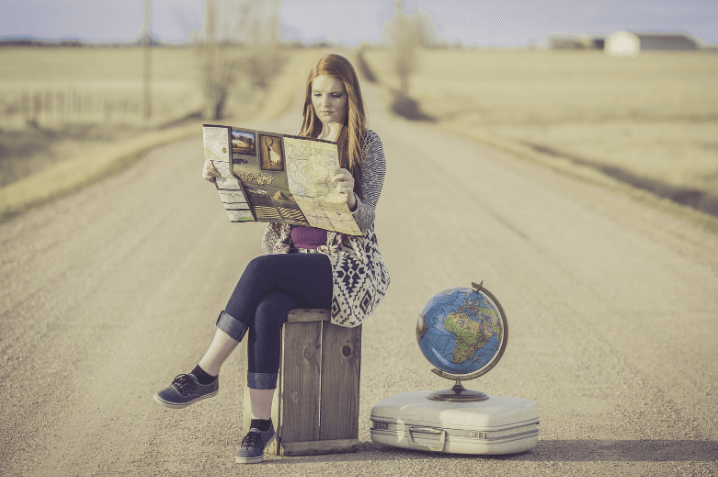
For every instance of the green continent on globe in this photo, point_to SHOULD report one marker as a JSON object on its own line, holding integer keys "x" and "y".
{"x": 491, "y": 319}
{"x": 470, "y": 335}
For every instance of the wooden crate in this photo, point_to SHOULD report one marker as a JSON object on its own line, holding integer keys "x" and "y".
{"x": 316, "y": 404}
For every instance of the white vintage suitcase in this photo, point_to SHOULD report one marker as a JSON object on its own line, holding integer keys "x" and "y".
{"x": 498, "y": 425}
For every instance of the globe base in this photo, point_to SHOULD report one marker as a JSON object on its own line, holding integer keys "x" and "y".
{"x": 458, "y": 394}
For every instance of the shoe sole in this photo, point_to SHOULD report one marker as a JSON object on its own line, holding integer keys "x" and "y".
{"x": 257, "y": 459}
{"x": 174, "y": 405}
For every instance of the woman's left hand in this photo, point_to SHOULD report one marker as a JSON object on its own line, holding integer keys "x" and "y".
{"x": 345, "y": 185}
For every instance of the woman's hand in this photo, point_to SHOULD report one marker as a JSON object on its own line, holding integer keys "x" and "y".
{"x": 345, "y": 185}
{"x": 209, "y": 172}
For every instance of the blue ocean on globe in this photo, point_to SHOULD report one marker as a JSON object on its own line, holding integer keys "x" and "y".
{"x": 459, "y": 330}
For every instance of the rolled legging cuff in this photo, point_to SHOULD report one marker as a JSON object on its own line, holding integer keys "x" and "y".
{"x": 233, "y": 327}
{"x": 261, "y": 380}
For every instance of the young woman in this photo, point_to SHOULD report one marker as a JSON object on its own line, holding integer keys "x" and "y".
{"x": 303, "y": 267}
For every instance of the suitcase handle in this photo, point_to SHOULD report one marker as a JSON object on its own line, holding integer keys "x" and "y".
{"x": 429, "y": 430}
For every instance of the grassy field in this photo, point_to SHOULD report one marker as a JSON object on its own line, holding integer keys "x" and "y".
{"x": 651, "y": 121}
{"x": 89, "y": 73}
{"x": 41, "y": 161}
{"x": 98, "y": 66}
{"x": 92, "y": 73}
{"x": 90, "y": 77}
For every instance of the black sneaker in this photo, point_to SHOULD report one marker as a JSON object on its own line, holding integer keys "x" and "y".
{"x": 252, "y": 449}
{"x": 185, "y": 390}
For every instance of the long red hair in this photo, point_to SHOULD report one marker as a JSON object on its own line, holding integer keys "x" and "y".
{"x": 351, "y": 135}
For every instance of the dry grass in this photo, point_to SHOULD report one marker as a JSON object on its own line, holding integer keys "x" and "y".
{"x": 40, "y": 164}
{"x": 101, "y": 66}
{"x": 94, "y": 75}
{"x": 90, "y": 73}
{"x": 654, "y": 117}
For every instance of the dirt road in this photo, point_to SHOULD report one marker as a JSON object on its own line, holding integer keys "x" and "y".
{"x": 106, "y": 295}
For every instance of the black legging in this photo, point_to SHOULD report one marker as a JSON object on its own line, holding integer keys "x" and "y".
{"x": 269, "y": 288}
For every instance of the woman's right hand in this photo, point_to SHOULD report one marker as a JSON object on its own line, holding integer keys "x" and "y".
{"x": 209, "y": 172}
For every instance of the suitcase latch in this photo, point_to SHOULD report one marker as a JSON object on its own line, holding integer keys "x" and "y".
{"x": 379, "y": 425}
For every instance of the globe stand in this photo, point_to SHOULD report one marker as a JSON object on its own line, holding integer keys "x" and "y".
{"x": 458, "y": 393}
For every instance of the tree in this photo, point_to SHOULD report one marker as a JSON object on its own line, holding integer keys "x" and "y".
{"x": 239, "y": 45}
{"x": 405, "y": 38}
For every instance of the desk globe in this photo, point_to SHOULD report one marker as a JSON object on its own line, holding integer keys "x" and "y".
{"x": 462, "y": 332}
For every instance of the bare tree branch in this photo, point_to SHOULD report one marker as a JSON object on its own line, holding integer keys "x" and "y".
{"x": 240, "y": 47}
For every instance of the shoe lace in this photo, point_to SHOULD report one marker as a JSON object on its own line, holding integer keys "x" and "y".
{"x": 182, "y": 382}
{"x": 251, "y": 439}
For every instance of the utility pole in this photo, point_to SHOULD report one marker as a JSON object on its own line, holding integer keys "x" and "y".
{"x": 147, "y": 54}
{"x": 208, "y": 50}
{"x": 209, "y": 19}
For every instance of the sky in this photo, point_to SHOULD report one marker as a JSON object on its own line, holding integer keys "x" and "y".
{"x": 488, "y": 23}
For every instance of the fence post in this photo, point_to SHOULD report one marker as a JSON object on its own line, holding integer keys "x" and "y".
{"x": 36, "y": 106}
{"x": 59, "y": 105}
{"x": 47, "y": 106}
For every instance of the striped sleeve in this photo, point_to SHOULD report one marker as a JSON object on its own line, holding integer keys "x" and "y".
{"x": 373, "y": 172}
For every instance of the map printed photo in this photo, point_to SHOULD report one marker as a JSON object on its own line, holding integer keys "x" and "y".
{"x": 271, "y": 152}
{"x": 270, "y": 177}
{"x": 242, "y": 143}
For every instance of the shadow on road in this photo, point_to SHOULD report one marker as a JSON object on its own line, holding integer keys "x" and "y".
{"x": 692, "y": 197}
{"x": 589, "y": 450}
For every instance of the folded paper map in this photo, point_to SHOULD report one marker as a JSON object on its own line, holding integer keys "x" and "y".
{"x": 271, "y": 177}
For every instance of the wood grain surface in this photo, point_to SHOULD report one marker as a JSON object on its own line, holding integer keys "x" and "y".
{"x": 341, "y": 363}
{"x": 301, "y": 382}
{"x": 308, "y": 314}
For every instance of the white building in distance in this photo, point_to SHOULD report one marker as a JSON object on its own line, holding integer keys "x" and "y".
{"x": 624, "y": 43}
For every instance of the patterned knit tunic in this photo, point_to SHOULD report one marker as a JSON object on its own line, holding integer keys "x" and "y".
{"x": 359, "y": 274}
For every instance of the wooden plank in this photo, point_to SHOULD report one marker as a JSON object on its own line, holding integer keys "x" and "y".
{"x": 301, "y": 382}
{"x": 272, "y": 448}
{"x": 320, "y": 447}
{"x": 340, "y": 382}
{"x": 308, "y": 314}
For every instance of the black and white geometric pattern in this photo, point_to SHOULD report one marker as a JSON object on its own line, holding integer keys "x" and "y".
{"x": 359, "y": 273}
{"x": 360, "y": 279}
